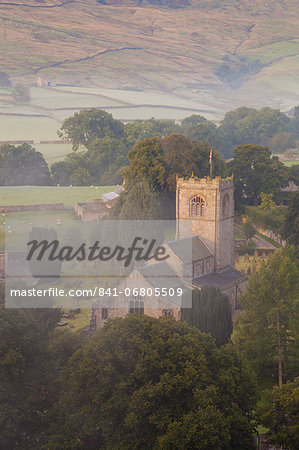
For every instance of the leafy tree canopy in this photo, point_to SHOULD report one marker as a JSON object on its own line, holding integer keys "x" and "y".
{"x": 22, "y": 165}
{"x": 147, "y": 163}
{"x": 280, "y": 414}
{"x": 281, "y": 142}
{"x": 60, "y": 173}
{"x": 266, "y": 331}
{"x": 26, "y": 374}
{"x": 86, "y": 126}
{"x": 290, "y": 230}
{"x": 21, "y": 93}
{"x": 198, "y": 128}
{"x": 101, "y": 164}
{"x": 32, "y": 354}
{"x": 142, "y": 129}
{"x": 155, "y": 383}
{"x": 249, "y": 230}
{"x": 250, "y": 126}
{"x": 139, "y": 203}
{"x": 256, "y": 171}
{"x": 293, "y": 173}
{"x": 159, "y": 161}
{"x": 267, "y": 202}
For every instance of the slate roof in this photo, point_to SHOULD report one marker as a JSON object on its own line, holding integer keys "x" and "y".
{"x": 161, "y": 275}
{"x": 110, "y": 196}
{"x": 218, "y": 279}
{"x": 291, "y": 187}
{"x": 190, "y": 249}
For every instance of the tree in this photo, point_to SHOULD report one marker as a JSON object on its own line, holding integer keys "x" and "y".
{"x": 32, "y": 355}
{"x": 86, "y": 126}
{"x": 21, "y": 93}
{"x": 184, "y": 157}
{"x": 142, "y": 129}
{"x": 290, "y": 230}
{"x": 103, "y": 149}
{"x": 280, "y": 415}
{"x": 255, "y": 171}
{"x": 105, "y": 160}
{"x": 154, "y": 383}
{"x": 194, "y": 119}
{"x": 139, "y": 203}
{"x": 282, "y": 142}
{"x": 288, "y": 155}
{"x": 160, "y": 161}
{"x": 61, "y": 173}
{"x": 198, "y": 128}
{"x": 80, "y": 177}
{"x": 147, "y": 163}
{"x": 249, "y": 231}
{"x": 267, "y": 202}
{"x": 265, "y": 332}
{"x": 4, "y": 80}
{"x": 295, "y": 123}
{"x": 22, "y": 165}
{"x": 179, "y": 157}
{"x": 210, "y": 313}
{"x": 293, "y": 173}
{"x": 27, "y": 374}
{"x": 250, "y": 126}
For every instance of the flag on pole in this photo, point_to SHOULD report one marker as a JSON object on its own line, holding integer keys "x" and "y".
{"x": 211, "y": 156}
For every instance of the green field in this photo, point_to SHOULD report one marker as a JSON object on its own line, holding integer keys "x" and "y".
{"x": 30, "y": 195}
{"x": 29, "y": 217}
{"x": 34, "y": 195}
{"x": 28, "y": 128}
{"x": 291, "y": 163}
{"x": 52, "y": 98}
{"x": 53, "y": 152}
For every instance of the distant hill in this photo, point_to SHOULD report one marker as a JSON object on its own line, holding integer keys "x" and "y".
{"x": 221, "y": 53}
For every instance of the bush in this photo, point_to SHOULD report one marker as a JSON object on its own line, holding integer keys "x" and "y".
{"x": 21, "y": 93}
{"x": 272, "y": 220}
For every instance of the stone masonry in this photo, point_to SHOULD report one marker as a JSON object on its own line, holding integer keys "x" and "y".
{"x": 209, "y": 206}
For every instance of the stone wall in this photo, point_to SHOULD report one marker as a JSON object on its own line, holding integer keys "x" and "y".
{"x": 42, "y": 207}
{"x": 274, "y": 236}
{"x": 94, "y": 210}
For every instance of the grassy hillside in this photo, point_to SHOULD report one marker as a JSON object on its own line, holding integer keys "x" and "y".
{"x": 218, "y": 54}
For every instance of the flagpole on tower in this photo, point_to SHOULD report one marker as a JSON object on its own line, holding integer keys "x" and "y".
{"x": 211, "y": 164}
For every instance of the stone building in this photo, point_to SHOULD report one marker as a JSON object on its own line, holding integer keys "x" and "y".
{"x": 94, "y": 210}
{"x": 204, "y": 224}
{"x": 98, "y": 208}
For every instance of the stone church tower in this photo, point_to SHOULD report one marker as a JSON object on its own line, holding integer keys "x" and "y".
{"x": 205, "y": 207}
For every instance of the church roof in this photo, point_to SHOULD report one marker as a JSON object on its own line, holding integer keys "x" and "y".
{"x": 218, "y": 279}
{"x": 161, "y": 275}
{"x": 190, "y": 249}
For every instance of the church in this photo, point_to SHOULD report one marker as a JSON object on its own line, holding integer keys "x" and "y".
{"x": 204, "y": 224}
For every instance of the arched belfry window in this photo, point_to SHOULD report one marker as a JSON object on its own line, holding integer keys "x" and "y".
{"x": 225, "y": 205}
{"x": 197, "y": 206}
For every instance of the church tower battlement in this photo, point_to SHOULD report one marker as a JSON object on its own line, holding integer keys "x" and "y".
{"x": 205, "y": 207}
